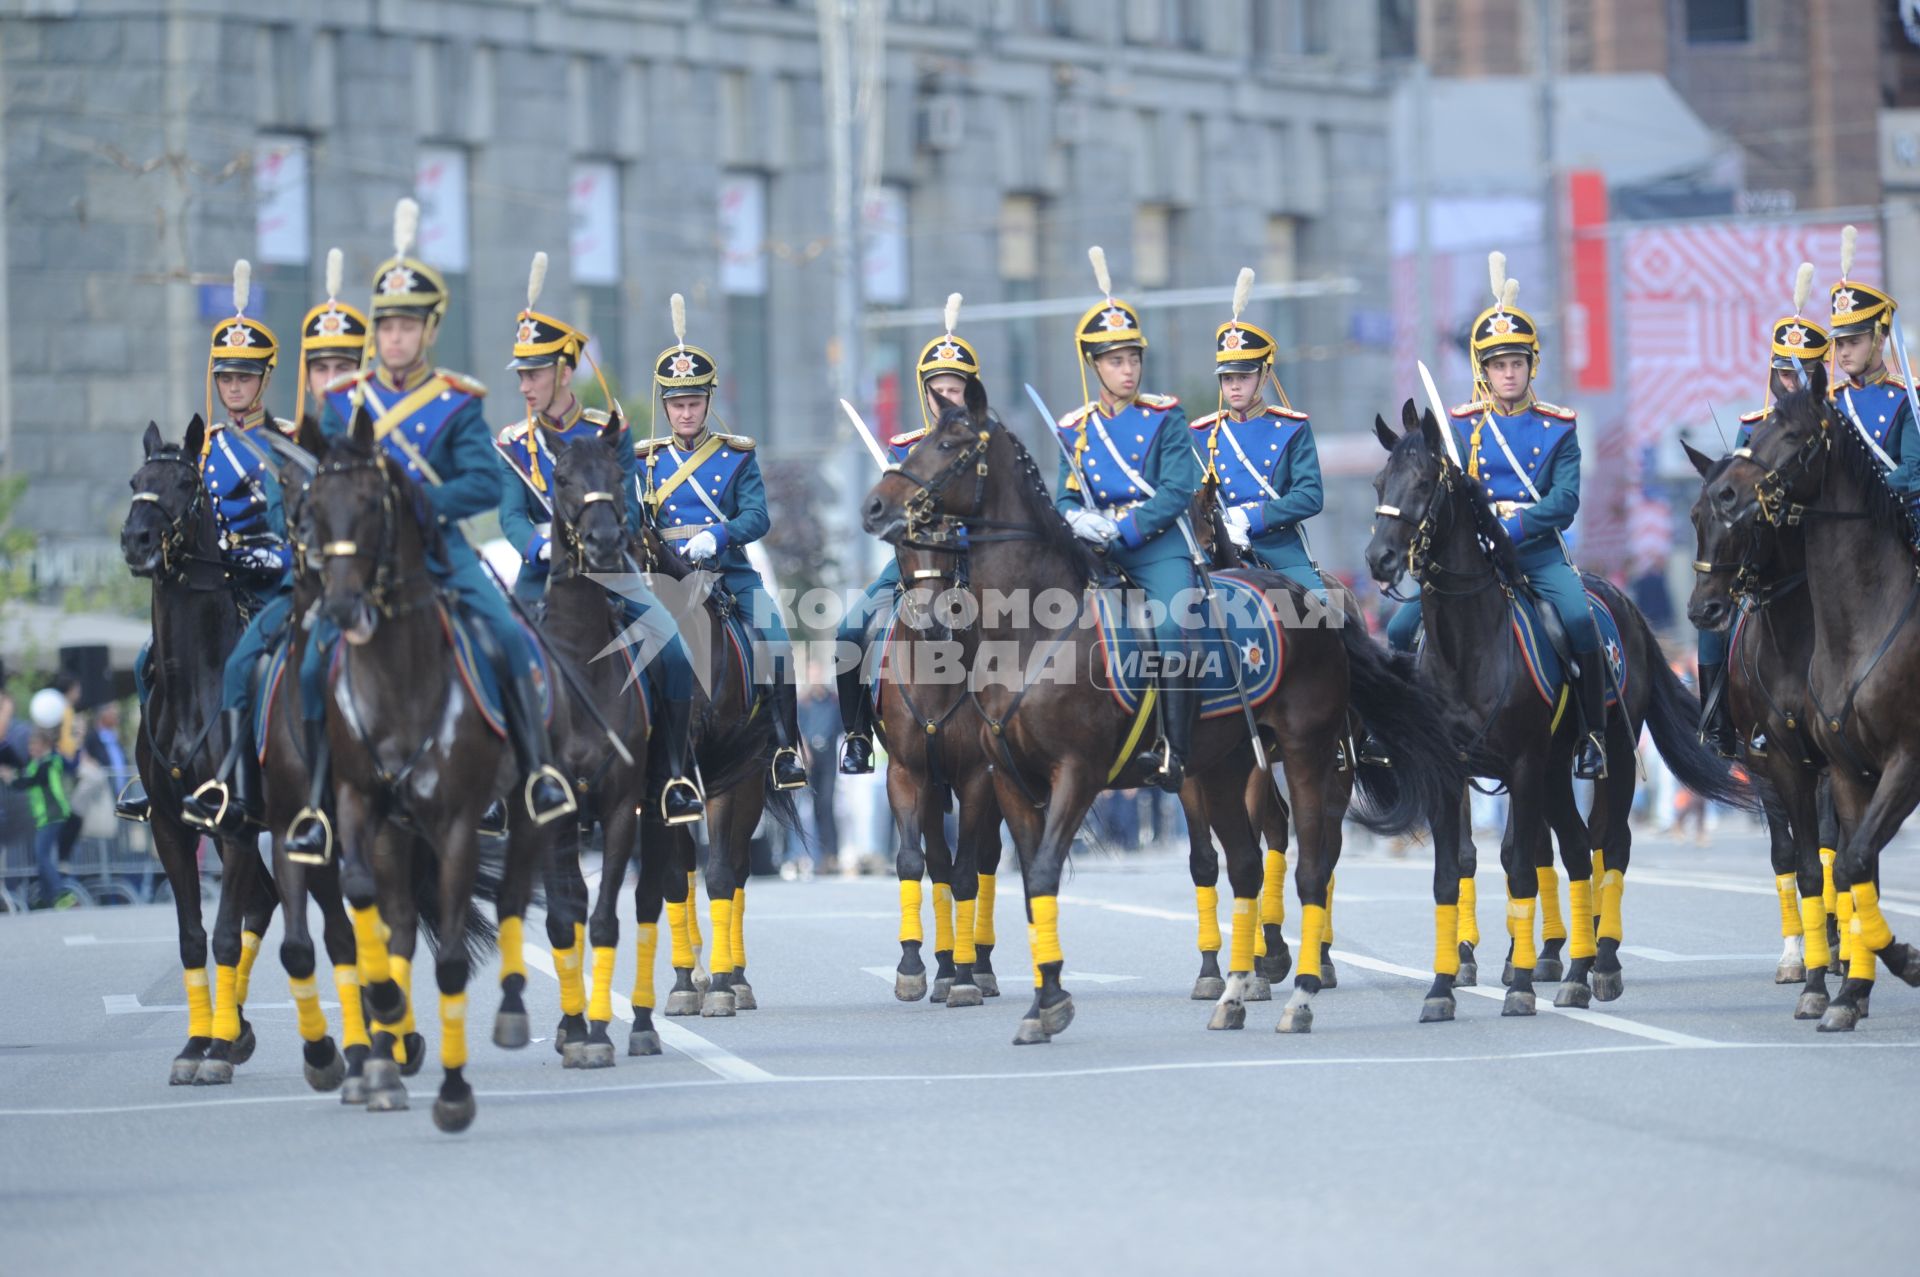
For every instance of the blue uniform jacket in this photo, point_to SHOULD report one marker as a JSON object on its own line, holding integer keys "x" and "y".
{"x": 1883, "y": 409}
{"x": 526, "y": 513}
{"x": 1274, "y": 451}
{"x": 1542, "y": 438}
{"x": 1149, "y": 438}
{"x": 713, "y": 487}
{"x": 243, "y": 482}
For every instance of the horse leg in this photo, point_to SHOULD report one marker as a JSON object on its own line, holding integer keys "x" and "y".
{"x": 1829, "y": 839}
{"x": 984, "y": 936}
{"x": 939, "y": 857}
{"x": 1468, "y": 858}
{"x": 684, "y": 997}
{"x": 720, "y": 883}
{"x": 1042, "y": 835}
{"x": 453, "y": 1108}
{"x": 1798, "y": 788}
{"x": 238, "y": 863}
{"x": 649, "y": 890}
{"x": 1783, "y": 853}
{"x": 1576, "y": 853}
{"x": 1272, "y": 961}
{"x": 617, "y": 823}
{"x": 256, "y": 915}
{"x": 337, "y": 933}
{"x": 976, "y": 811}
{"x": 1309, "y": 770}
{"x": 176, "y": 846}
{"x": 322, "y": 1063}
{"x": 1548, "y": 966}
{"x": 1439, "y": 1004}
{"x": 1892, "y": 801}
{"x": 909, "y": 864}
{"x": 528, "y": 849}
{"x": 1612, "y": 836}
{"x": 744, "y": 818}
{"x": 1526, "y": 827}
{"x": 1204, "y": 867}
{"x": 702, "y": 978}
{"x": 566, "y": 934}
{"x": 366, "y": 871}
{"x": 1225, "y": 801}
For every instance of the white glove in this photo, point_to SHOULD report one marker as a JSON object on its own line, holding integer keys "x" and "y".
{"x": 702, "y": 547}
{"x": 546, "y": 552}
{"x": 1091, "y": 526}
{"x": 1239, "y": 526}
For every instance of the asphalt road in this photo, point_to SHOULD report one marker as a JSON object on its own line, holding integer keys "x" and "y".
{"x": 1692, "y": 1126}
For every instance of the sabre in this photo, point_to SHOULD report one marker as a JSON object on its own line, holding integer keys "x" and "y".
{"x": 1906, "y": 369}
{"x": 1440, "y": 414}
{"x": 866, "y": 436}
{"x": 1053, "y": 433}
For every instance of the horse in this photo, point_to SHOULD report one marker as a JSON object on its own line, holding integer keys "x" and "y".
{"x": 415, "y": 760}
{"x": 1864, "y": 589}
{"x": 1054, "y": 736}
{"x": 170, "y": 539}
{"x": 1758, "y": 577}
{"x": 1430, "y": 523}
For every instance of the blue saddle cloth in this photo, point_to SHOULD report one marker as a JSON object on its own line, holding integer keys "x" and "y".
{"x": 269, "y": 685}
{"x": 1251, "y": 654}
{"x": 1543, "y": 663}
{"x": 482, "y": 681}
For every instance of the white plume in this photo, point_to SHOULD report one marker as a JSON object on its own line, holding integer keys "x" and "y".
{"x": 406, "y": 225}
{"x": 1497, "y": 274}
{"x": 1242, "y": 289}
{"x": 1802, "y": 286}
{"x": 536, "y": 278}
{"x": 1098, "y": 256}
{"x": 1847, "y": 240}
{"x": 336, "y": 265}
{"x": 953, "y": 311}
{"x": 242, "y": 285}
{"x": 1512, "y": 294}
{"x": 678, "y": 305}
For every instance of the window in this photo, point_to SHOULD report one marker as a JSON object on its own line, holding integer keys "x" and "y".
{"x": 1153, "y": 246}
{"x": 883, "y": 246}
{"x": 594, "y": 202}
{"x": 282, "y": 249}
{"x": 1399, "y": 29}
{"x": 1718, "y": 21}
{"x": 1279, "y": 264}
{"x": 744, "y": 396}
{"x": 1143, "y": 20}
{"x": 440, "y": 184}
{"x": 1312, "y": 28}
{"x": 1188, "y": 31}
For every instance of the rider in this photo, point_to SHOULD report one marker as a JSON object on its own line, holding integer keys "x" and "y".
{"x": 946, "y": 364}
{"x": 1866, "y": 390}
{"x": 242, "y": 478}
{"x": 428, "y": 422}
{"x": 1798, "y": 344}
{"x": 546, "y": 355}
{"x": 704, "y": 492}
{"x": 333, "y": 341}
{"x": 1525, "y": 457}
{"x": 1141, "y": 473}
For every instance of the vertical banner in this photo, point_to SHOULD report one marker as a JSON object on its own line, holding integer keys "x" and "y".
{"x": 440, "y": 184}
{"x": 883, "y": 245}
{"x": 743, "y": 235}
{"x": 594, "y": 203}
{"x": 1589, "y": 311}
{"x": 280, "y": 219}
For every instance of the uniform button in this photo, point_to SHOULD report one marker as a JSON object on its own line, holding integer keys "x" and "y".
{"x": 1536, "y": 452}
{"x": 445, "y": 395}
{"x": 1134, "y": 456}
{"x": 1139, "y": 438}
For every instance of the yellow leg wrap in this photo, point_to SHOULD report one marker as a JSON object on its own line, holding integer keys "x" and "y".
{"x": 1813, "y": 926}
{"x": 199, "y": 1004}
{"x": 1580, "y": 905}
{"x": 1787, "y": 887}
{"x": 942, "y": 918}
{"x": 573, "y": 990}
{"x": 910, "y": 910}
{"x": 1469, "y": 919}
{"x": 1867, "y": 918}
{"x": 1313, "y": 930}
{"x": 721, "y": 913}
{"x": 1861, "y": 964}
{"x": 249, "y": 950}
{"x": 1273, "y": 890}
{"x": 226, "y": 1011}
{"x": 646, "y": 948}
{"x": 403, "y": 976}
{"x": 964, "y": 949}
{"x": 1246, "y": 925}
{"x": 1553, "y": 923}
{"x": 679, "y": 935}
{"x": 1520, "y": 922}
{"x": 1043, "y": 933}
{"x": 1509, "y": 911}
{"x": 1843, "y": 915}
{"x": 1827, "y": 889}
{"x": 513, "y": 947}
{"x": 1611, "y": 888}
{"x": 1599, "y": 864}
{"x": 1260, "y": 941}
{"x": 1207, "y": 902}
{"x": 739, "y": 929}
{"x": 601, "y": 1005}
{"x": 1446, "y": 939}
{"x": 1326, "y": 935}
{"x": 453, "y": 1030}
{"x": 983, "y": 916}
{"x": 693, "y": 912}
{"x": 370, "y": 945}
{"x": 353, "y": 1016}
{"x": 306, "y": 1006}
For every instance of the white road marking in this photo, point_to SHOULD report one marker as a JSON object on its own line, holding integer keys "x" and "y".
{"x": 1705, "y": 882}
{"x": 130, "y": 1004}
{"x": 1083, "y": 977}
{"x": 74, "y": 942}
{"x": 1667, "y": 955}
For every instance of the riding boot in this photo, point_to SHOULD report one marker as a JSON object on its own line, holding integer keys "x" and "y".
{"x": 1590, "y": 706}
{"x": 133, "y": 803}
{"x": 1178, "y": 700}
{"x": 1373, "y": 751}
{"x": 668, "y": 784}
{"x": 232, "y": 798}
{"x": 1716, "y": 715}
{"x": 546, "y": 793}
{"x": 310, "y": 837}
{"x": 856, "y": 717}
{"x": 788, "y": 771}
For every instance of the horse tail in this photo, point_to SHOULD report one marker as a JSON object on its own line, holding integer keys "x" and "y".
{"x": 479, "y": 936}
{"x": 730, "y": 752}
{"x": 1672, "y": 715}
{"x": 1402, "y": 710}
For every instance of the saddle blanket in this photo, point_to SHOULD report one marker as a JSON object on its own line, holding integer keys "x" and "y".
{"x": 1543, "y": 663}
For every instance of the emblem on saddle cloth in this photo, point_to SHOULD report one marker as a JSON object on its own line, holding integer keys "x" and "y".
{"x": 1251, "y": 655}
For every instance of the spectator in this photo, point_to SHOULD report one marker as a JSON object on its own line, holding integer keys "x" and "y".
{"x": 102, "y": 744}
{"x": 44, "y": 780}
{"x": 68, "y": 746}
{"x": 820, "y": 732}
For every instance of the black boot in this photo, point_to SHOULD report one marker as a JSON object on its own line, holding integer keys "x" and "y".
{"x": 856, "y": 719}
{"x": 1590, "y": 704}
{"x": 133, "y": 803}
{"x": 1716, "y": 715}
{"x": 788, "y": 771}
{"x": 310, "y": 836}
{"x": 546, "y": 793}
{"x": 1178, "y": 701}
{"x": 668, "y": 784}
{"x": 230, "y": 800}
{"x": 1373, "y": 752}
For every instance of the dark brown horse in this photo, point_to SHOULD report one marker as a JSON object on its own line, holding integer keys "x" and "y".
{"x": 170, "y": 538}
{"x": 1055, "y": 732}
{"x": 1757, "y": 575}
{"x": 1809, "y": 465}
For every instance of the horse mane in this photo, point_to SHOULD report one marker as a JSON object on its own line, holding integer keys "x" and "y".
{"x": 1883, "y": 505}
{"x": 1493, "y": 538}
{"x": 1036, "y": 499}
{"x": 345, "y": 448}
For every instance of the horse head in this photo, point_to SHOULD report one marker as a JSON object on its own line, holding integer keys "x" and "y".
{"x": 1784, "y": 463}
{"x": 351, "y": 522}
{"x": 1408, "y": 489}
{"x": 1726, "y": 554}
{"x": 922, "y": 497}
{"x": 170, "y": 516}
{"x": 590, "y": 502}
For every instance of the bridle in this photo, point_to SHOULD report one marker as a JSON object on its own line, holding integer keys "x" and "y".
{"x": 929, "y": 528}
{"x": 571, "y": 541}
{"x": 386, "y": 595}
{"x": 1426, "y": 572}
{"x": 177, "y": 557}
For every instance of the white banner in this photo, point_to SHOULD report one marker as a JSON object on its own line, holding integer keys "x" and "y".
{"x": 883, "y": 247}
{"x": 743, "y": 235}
{"x": 594, "y": 201}
{"x": 440, "y": 184}
{"x": 281, "y": 229}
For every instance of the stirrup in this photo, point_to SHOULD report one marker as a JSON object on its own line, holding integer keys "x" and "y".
{"x": 1168, "y": 774}
{"x": 190, "y": 817}
{"x": 861, "y": 765}
{"x": 700, "y": 802}
{"x": 1599, "y": 745}
{"x": 566, "y": 807}
{"x": 305, "y": 817}
{"x": 138, "y": 810}
{"x": 793, "y": 753}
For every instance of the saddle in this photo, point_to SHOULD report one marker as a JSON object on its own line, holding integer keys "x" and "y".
{"x": 1547, "y": 653}
{"x": 1249, "y": 656}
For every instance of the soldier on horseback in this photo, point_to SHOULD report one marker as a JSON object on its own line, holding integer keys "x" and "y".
{"x": 333, "y": 341}
{"x": 704, "y": 493}
{"x": 428, "y": 422}
{"x": 1868, "y": 393}
{"x": 1524, "y": 457}
{"x": 546, "y": 356}
{"x": 1141, "y": 474}
{"x": 946, "y": 364}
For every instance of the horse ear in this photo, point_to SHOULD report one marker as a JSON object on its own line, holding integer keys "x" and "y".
{"x": 151, "y": 442}
{"x": 614, "y": 433}
{"x": 309, "y": 436}
{"x": 196, "y": 435}
{"x": 1384, "y": 432}
{"x": 1409, "y": 418}
{"x": 1430, "y": 429}
{"x": 1817, "y": 382}
{"x": 361, "y": 431}
{"x": 1701, "y": 461}
{"x": 976, "y": 397}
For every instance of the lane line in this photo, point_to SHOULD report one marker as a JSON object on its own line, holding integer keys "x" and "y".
{"x": 1084, "y": 977}
{"x": 1702, "y": 882}
{"x": 90, "y": 940}
{"x": 130, "y": 1004}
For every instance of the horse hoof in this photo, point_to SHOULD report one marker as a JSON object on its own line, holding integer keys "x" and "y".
{"x": 183, "y": 1071}
{"x": 964, "y": 995}
{"x": 1031, "y": 1033}
{"x": 1839, "y": 1018}
{"x": 243, "y": 1045}
{"x": 1436, "y": 1010}
{"x": 595, "y": 1055}
{"x": 454, "y": 1116}
{"x": 743, "y": 999}
{"x": 643, "y": 1042}
{"x": 1548, "y": 971}
{"x": 385, "y": 1094}
{"x": 511, "y": 1030}
{"x": 1811, "y": 1006}
{"x": 1260, "y": 989}
{"x": 1468, "y": 976}
{"x": 416, "y": 1055}
{"x": 354, "y": 1090}
{"x": 1790, "y": 973}
{"x": 717, "y": 1005}
{"x": 1208, "y": 988}
{"x": 1608, "y": 985}
{"x": 572, "y": 1054}
{"x": 1056, "y": 1018}
{"x": 909, "y": 988}
{"x": 1573, "y": 995}
{"x": 702, "y": 979}
{"x": 330, "y": 1075}
{"x": 683, "y": 1002}
{"x": 1519, "y": 1002}
{"x": 213, "y": 1073}
{"x": 1904, "y": 961}
{"x": 988, "y": 983}
{"x": 1228, "y": 1015}
{"x": 1295, "y": 1020}
{"x": 941, "y": 988}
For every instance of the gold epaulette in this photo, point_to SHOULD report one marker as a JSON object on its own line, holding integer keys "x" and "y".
{"x": 514, "y": 433}
{"x": 284, "y": 426}
{"x": 908, "y": 439}
{"x": 1207, "y": 421}
{"x": 654, "y": 444}
{"x": 460, "y": 381}
{"x": 598, "y": 416}
{"x": 1553, "y": 410}
{"x": 348, "y": 381}
{"x": 1291, "y": 414}
{"x": 1470, "y": 409}
{"x": 742, "y": 442}
{"x": 1075, "y": 417}
{"x": 1758, "y": 414}
{"x": 1162, "y": 402}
